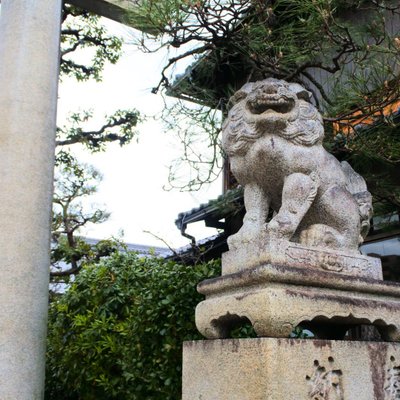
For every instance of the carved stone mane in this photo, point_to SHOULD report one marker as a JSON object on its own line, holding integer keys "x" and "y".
{"x": 273, "y": 136}
{"x": 304, "y": 127}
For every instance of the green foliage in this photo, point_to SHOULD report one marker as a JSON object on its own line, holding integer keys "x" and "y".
{"x": 82, "y": 31}
{"x": 245, "y": 330}
{"x": 86, "y": 47}
{"x": 281, "y": 38}
{"x": 301, "y": 333}
{"x": 73, "y": 183}
{"x": 119, "y": 127}
{"x": 117, "y": 332}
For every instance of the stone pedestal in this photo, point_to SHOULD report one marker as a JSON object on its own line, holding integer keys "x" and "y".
{"x": 290, "y": 369}
{"x": 301, "y": 269}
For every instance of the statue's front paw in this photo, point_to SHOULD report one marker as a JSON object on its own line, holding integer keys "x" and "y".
{"x": 273, "y": 229}
{"x": 234, "y": 241}
{"x": 245, "y": 235}
{"x": 280, "y": 228}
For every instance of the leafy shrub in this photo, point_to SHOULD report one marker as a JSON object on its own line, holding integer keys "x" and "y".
{"x": 117, "y": 333}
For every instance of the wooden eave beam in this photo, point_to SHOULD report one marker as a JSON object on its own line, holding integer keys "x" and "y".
{"x": 122, "y": 11}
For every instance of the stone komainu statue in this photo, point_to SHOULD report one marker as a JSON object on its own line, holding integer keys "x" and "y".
{"x": 273, "y": 136}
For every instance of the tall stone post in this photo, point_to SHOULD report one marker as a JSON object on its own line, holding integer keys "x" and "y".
{"x": 29, "y": 58}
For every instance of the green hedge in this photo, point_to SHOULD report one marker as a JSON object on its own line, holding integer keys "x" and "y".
{"x": 117, "y": 333}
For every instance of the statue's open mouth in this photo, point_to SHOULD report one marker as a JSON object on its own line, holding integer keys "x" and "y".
{"x": 270, "y": 103}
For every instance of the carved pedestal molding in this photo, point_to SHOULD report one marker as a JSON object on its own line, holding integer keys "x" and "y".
{"x": 262, "y": 250}
{"x": 276, "y": 299}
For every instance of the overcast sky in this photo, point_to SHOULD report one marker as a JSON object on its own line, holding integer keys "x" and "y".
{"x": 132, "y": 188}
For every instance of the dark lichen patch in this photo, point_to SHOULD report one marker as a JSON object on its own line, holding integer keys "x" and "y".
{"x": 377, "y": 364}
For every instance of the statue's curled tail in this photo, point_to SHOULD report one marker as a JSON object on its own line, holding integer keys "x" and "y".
{"x": 358, "y": 188}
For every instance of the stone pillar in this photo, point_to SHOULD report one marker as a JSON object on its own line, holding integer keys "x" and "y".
{"x": 29, "y": 58}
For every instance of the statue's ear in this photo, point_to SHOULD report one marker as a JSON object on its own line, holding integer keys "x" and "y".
{"x": 239, "y": 95}
{"x": 301, "y": 93}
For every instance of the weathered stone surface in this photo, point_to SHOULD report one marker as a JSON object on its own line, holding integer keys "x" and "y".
{"x": 276, "y": 299}
{"x": 29, "y": 58}
{"x": 290, "y": 369}
{"x": 262, "y": 250}
{"x": 273, "y": 136}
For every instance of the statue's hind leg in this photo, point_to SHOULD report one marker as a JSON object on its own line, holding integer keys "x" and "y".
{"x": 299, "y": 192}
{"x": 339, "y": 211}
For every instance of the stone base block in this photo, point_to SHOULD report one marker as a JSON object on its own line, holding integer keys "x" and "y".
{"x": 290, "y": 369}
